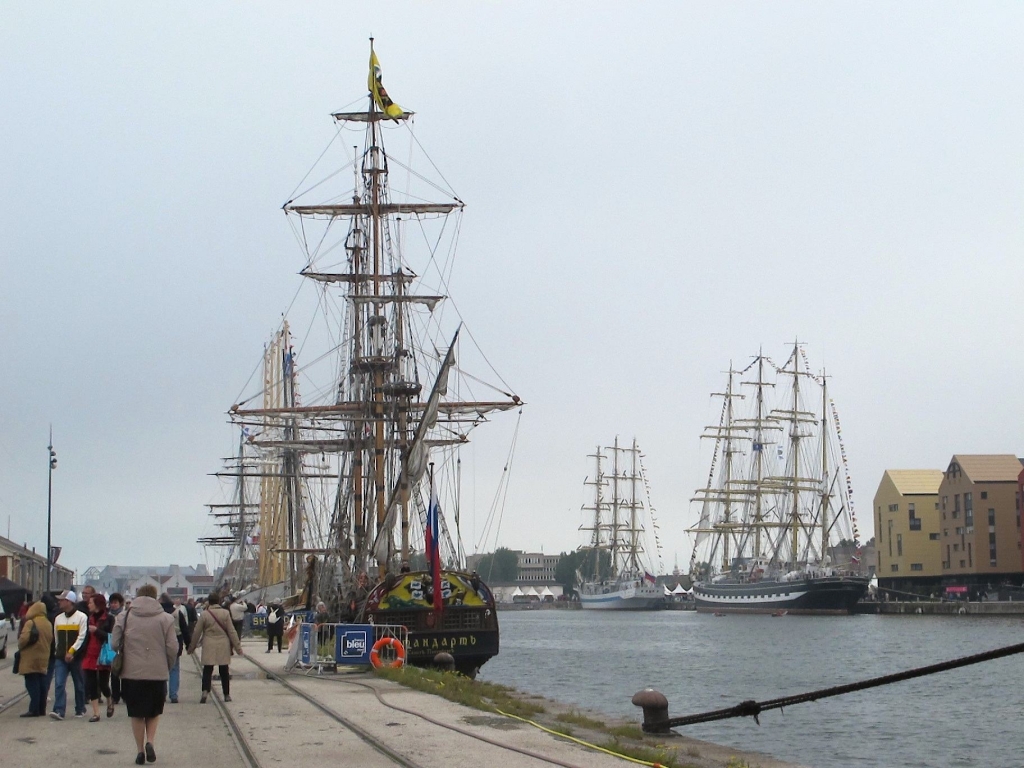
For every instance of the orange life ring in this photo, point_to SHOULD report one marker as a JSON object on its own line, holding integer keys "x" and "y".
{"x": 396, "y": 646}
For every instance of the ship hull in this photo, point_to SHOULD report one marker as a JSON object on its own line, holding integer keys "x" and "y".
{"x": 823, "y": 596}
{"x": 466, "y": 627}
{"x": 632, "y": 598}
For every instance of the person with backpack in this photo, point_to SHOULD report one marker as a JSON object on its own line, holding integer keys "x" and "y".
{"x": 35, "y": 644}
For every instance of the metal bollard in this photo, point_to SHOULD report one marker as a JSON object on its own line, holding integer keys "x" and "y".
{"x": 655, "y": 707}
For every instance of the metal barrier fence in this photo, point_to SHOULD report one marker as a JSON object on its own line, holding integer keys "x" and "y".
{"x": 325, "y": 647}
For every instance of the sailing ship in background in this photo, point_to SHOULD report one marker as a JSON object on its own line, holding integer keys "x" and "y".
{"x": 331, "y": 483}
{"x": 778, "y": 499}
{"x": 619, "y": 578}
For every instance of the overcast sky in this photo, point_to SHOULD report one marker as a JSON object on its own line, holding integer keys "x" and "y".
{"x": 653, "y": 190}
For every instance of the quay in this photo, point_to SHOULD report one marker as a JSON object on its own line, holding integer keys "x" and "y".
{"x": 949, "y": 608}
{"x": 353, "y": 718}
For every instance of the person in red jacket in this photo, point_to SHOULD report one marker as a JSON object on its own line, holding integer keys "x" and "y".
{"x": 97, "y": 676}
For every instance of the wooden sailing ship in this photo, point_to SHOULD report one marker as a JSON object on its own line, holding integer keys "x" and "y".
{"x": 333, "y": 472}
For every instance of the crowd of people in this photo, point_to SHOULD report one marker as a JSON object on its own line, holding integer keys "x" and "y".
{"x": 118, "y": 651}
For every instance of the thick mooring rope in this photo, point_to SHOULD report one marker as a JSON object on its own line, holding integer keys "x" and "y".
{"x": 753, "y": 709}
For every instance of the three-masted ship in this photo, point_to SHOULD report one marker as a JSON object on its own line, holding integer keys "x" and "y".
{"x": 333, "y": 461}
{"x": 777, "y": 531}
{"x": 618, "y": 578}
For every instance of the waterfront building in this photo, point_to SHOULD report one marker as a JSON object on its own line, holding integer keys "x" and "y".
{"x": 27, "y": 568}
{"x": 535, "y": 578}
{"x": 980, "y": 508}
{"x": 908, "y": 529}
{"x": 534, "y": 567}
{"x": 531, "y": 567}
{"x": 175, "y": 580}
{"x": 1019, "y": 501}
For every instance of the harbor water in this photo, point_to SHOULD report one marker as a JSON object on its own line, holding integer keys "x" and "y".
{"x": 967, "y": 717}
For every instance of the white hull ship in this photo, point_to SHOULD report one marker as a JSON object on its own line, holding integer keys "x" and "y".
{"x": 777, "y": 532}
{"x": 330, "y": 480}
{"x": 632, "y": 594}
{"x": 618, "y": 579}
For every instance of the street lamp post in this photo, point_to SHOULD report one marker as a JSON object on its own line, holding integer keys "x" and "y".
{"x": 49, "y": 508}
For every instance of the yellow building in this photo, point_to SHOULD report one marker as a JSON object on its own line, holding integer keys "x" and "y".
{"x": 980, "y": 516}
{"x": 908, "y": 529}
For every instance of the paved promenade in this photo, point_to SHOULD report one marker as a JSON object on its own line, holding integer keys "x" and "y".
{"x": 276, "y": 727}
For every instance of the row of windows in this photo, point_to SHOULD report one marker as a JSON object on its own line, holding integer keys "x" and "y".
{"x": 895, "y": 567}
{"x": 749, "y": 597}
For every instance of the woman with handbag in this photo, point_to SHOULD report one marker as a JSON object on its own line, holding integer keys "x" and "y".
{"x": 215, "y": 632}
{"x": 35, "y": 643}
{"x": 98, "y": 657}
{"x": 147, "y": 648}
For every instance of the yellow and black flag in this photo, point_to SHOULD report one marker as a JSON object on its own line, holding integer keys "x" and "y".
{"x": 380, "y": 96}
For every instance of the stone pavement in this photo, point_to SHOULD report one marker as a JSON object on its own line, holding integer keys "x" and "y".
{"x": 281, "y": 727}
{"x": 188, "y": 734}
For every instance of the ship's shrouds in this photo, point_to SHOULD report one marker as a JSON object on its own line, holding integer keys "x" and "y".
{"x": 337, "y": 439}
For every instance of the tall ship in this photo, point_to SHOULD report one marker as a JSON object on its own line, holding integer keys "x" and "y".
{"x": 350, "y": 442}
{"x": 777, "y": 531}
{"x": 616, "y": 575}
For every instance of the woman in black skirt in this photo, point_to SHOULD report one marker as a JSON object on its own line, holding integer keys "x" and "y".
{"x": 144, "y": 675}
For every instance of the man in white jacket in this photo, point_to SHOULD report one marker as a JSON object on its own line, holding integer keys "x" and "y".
{"x": 70, "y": 629}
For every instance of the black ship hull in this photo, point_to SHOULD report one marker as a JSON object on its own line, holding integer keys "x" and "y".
{"x": 466, "y": 627}
{"x": 827, "y": 595}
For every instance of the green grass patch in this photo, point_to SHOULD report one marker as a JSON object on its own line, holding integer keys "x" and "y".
{"x": 562, "y": 728}
{"x": 460, "y": 689}
{"x": 634, "y": 732}
{"x": 577, "y": 718}
{"x": 657, "y": 755}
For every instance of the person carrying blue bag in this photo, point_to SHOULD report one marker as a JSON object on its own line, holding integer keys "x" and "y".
{"x": 98, "y": 656}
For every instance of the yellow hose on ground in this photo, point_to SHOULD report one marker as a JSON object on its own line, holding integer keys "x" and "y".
{"x": 581, "y": 741}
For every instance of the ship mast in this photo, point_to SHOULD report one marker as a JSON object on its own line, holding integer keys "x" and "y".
{"x": 794, "y": 441}
{"x": 825, "y": 492}
{"x": 370, "y": 425}
{"x": 726, "y": 433}
{"x": 634, "y": 527}
{"x": 616, "y": 524}
{"x": 759, "y": 445}
{"x": 596, "y": 545}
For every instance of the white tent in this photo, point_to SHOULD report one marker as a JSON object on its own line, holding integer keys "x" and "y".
{"x": 529, "y": 592}
{"x": 668, "y": 592}
{"x": 517, "y": 592}
{"x": 680, "y": 591}
{"x": 546, "y": 592}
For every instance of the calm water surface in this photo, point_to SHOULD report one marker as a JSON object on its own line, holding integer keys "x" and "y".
{"x": 967, "y": 717}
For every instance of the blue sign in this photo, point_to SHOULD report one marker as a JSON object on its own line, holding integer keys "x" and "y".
{"x": 353, "y": 643}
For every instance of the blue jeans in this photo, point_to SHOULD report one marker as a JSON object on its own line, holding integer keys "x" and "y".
{"x": 62, "y": 670}
{"x": 36, "y": 695}
{"x": 175, "y": 679}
